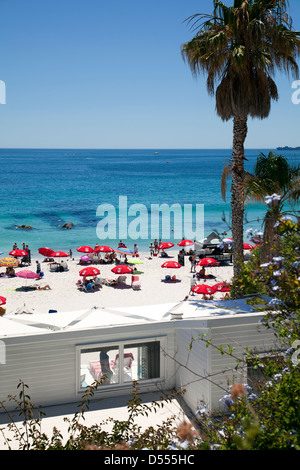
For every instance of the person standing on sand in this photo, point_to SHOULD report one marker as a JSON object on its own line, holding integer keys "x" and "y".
{"x": 192, "y": 259}
{"x": 151, "y": 248}
{"x": 155, "y": 246}
{"x": 38, "y": 267}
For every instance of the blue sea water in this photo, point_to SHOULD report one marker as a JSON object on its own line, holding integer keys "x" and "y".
{"x": 48, "y": 188}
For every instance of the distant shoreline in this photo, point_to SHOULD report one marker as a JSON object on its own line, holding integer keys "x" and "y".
{"x": 288, "y": 148}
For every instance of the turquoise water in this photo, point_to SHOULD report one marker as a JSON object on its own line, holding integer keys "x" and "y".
{"x": 47, "y": 188}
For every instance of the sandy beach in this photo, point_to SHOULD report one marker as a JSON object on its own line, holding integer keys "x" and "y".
{"x": 65, "y": 296}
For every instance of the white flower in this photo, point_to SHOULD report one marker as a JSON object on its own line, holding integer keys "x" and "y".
{"x": 272, "y": 200}
{"x": 278, "y": 259}
{"x": 265, "y": 265}
{"x": 275, "y": 302}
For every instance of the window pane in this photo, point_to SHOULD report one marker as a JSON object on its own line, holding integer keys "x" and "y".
{"x": 141, "y": 361}
{"x": 96, "y": 362}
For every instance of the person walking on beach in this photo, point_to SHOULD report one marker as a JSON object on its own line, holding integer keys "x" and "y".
{"x": 151, "y": 248}
{"x": 155, "y": 246}
{"x": 38, "y": 267}
{"x": 192, "y": 259}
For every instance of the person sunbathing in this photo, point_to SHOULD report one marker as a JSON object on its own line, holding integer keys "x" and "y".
{"x": 46, "y": 287}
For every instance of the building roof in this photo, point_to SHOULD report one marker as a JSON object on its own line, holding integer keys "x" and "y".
{"x": 20, "y": 324}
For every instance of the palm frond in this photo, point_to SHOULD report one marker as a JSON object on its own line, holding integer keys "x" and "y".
{"x": 226, "y": 174}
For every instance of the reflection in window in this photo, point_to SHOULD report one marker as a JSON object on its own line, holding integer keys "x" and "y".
{"x": 97, "y": 362}
{"x": 142, "y": 361}
{"x": 120, "y": 364}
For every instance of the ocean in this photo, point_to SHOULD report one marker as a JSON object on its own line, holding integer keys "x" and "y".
{"x": 46, "y": 189}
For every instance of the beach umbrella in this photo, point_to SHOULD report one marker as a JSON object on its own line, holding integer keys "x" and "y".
{"x": 18, "y": 253}
{"x": 85, "y": 258}
{"x": 124, "y": 251}
{"x": 215, "y": 241}
{"x": 227, "y": 240}
{"x": 221, "y": 287}
{"x": 26, "y": 274}
{"x": 165, "y": 245}
{"x": 2, "y": 300}
{"x": 104, "y": 249}
{"x": 45, "y": 251}
{"x": 89, "y": 271}
{"x": 185, "y": 243}
{"x": 247, "y": 246}
{"x": 203, "y": 289}
{"x": 85, "y": 249}
{"x": 135, "y": 261}
{"x": 9, "y": 262}
{"x": 59, "y": 254}
{"x": 207, "y": 262}
{"x": 122, "y": 269}
{"x": 171, "y": 265}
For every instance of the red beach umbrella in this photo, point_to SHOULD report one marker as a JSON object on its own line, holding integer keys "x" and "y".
{"x": 17, "y": 253}
{"x": 2, "y": 300}
{"x": 89, "y": 271}
{"x": 85, "y": 249}
{"x": 165, "y": 246}
{"x": 185, "y": 243}
{"x": 45, "y": 251}
{"x": 104, "y": 249}
{"x": 26, "y": 274}
{"x": 207, "y": 262}
{"x": 247, "y": 246}
{"x": 221, "y": 287}
{"x": 203, "y": 289}
{"x": 59, "y": 254}
{"x": 171, "y": 265}
{"x": 122, "y": 269}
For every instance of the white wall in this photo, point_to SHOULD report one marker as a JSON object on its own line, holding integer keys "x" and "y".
{"x": 205, "y": 372}
{"x": 47, "y": 363}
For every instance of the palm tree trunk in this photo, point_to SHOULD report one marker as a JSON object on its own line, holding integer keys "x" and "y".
{"x": 271, "y": 244}
{"x": 237, "y": 191}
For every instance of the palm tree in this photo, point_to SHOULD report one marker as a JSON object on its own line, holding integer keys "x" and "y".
{"x": 239, "y": 48}
{"x": 273, "y": 175}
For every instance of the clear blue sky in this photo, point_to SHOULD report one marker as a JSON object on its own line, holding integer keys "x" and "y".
{"x": 109, "y": 74}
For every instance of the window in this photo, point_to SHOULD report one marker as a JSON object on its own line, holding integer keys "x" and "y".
{"x": 120, "y": 363}
{"x": 257, "y": 369}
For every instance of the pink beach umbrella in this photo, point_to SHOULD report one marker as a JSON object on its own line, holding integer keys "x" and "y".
{"x": 85, "y": 249}
{"x": 122, "y": 269}
{"x": 26, "y": 274}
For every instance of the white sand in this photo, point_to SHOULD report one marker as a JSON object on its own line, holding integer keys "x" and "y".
{"x": 64, "y": 295}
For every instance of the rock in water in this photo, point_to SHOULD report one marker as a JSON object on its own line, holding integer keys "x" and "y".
{"x": 68, "y": 225}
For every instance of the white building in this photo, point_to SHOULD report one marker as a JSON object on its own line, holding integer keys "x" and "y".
{"x": 57, "y": 355}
